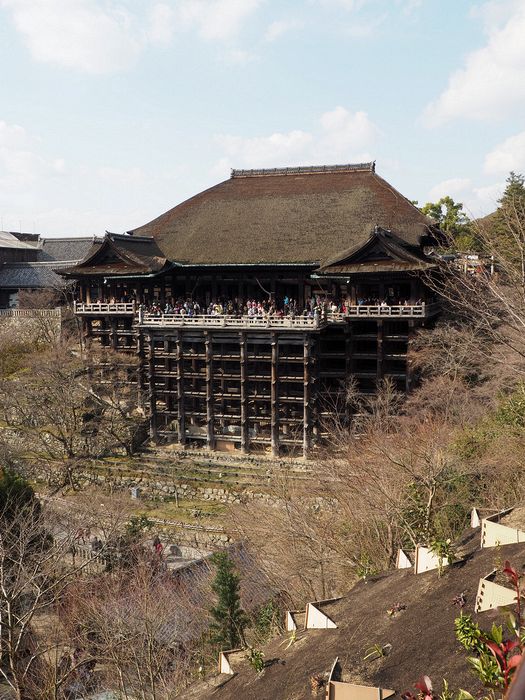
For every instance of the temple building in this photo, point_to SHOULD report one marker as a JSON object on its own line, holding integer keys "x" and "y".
{"x": 254, "y": 303}
{"x": 31, "y": 263}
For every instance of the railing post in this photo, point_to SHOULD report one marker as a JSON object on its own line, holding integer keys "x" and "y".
{"x": 245, "y": 434}
{"x": 209, "y": 391}
{"x": 274, "y": 407}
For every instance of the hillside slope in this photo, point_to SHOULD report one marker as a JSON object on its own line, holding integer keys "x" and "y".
{"x": 422, "y": 636}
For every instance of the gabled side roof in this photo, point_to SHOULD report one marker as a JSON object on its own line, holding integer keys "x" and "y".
{"x": 382, "y": 252}
{"x": 119, "y": 254}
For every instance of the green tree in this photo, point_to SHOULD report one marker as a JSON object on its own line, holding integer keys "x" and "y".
{"x": 230, "y": 620}
{"x": 16, "y": 495}
{"x": 506, "y": 227}
{"x": 453, "y": 221}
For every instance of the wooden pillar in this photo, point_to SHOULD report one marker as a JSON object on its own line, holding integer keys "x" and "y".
{"x": 152, "y": 391}
{"x": 408, "y": 361}
{"x": 245, "y": 433}
{"x": 274, "y": 405}
{"x": 113, "y": 340}
{"x": 214, "y": 288}
{"x": 413, "y": 291}
{"x": 210, "y": 439}
{"x": 141, "y": 367}
{"x": 307, "y": 413}
{"x": 349, "y": 365}
{"x": 300, "y": 293}
{"x": 181, "y": 415}
{"x": 380, "y": 351}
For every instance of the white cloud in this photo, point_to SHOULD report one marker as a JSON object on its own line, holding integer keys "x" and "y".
{"x": 20, "y": 165}
{"x": 506, "y": 156}
{"x": 491, "y": 81}
{"x": 215, "y": 19}
{"x": 484, "y": 200}
{"x": 342, "y": 136}
{"x": 281, "y": 26}
{"x": 453, "y": 187}
{"x": 77, "y": 33}
{"x": 161, "y": 23}
{"x": 107, "y": 36}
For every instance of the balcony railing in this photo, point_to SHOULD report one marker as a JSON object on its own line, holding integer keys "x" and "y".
{"x": 276, "y": 322}
{"x": 104, "y": 308}
{"x": 225, "y": 321}
{"x": 384, "y": 311}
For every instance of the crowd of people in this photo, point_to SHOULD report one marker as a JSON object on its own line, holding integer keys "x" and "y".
{"x": 315, "y": 307}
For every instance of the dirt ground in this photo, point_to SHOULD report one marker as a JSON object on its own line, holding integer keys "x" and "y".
{"x": 422, "y": 636}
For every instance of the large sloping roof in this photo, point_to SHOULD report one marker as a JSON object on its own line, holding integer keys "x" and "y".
{"x": 285, "y": 215}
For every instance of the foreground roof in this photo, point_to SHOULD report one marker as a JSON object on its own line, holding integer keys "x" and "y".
{"x": 302, "y": 215}
{"x": 32, "y": 275}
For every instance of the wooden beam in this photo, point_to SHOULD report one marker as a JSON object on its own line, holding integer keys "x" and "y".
{"x": 274, "y": 405}
{"x": 210, "y": 439}
{"x": 380, "y": 352}
{"x": 408, "y": 362}
{"x": 152, "y": 392}
{"x": 307, "y": 413}
{"x": 181, "y": 416}
{"x": 245, "y": 433}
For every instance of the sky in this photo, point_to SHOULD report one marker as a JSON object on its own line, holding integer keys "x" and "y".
{"x": 114, "y": 111}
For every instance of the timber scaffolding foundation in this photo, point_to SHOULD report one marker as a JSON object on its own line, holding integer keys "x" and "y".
{"x": 257, "y": 387}
{"x": 233, "y": 390}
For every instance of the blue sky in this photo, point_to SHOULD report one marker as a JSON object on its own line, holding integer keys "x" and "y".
{"x": 112, "y": 112}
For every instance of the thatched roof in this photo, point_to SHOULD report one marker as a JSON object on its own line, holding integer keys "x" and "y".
{"x": 286, "y": 216}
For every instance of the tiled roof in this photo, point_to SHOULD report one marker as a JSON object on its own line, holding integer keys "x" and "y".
{"x": 29, "y": 276}
{"x": 120, "y": 255}
{"x": 64, "y": 249}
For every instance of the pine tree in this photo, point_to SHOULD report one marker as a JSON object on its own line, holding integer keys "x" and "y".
{"x": 506, "y": 233}
{"x": 230, "y": 620}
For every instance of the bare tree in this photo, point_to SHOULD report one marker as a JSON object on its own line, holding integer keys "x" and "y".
{"x": 61, "y": 410}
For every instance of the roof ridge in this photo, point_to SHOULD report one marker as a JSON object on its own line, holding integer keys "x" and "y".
{"x": 305, "y": 169}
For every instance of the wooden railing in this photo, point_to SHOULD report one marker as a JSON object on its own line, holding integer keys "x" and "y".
{"x": 31, "y": 313}
{"x": 383, "y": 310}
{"x": 224, "y": 321}
{"x": 103, "y": 307}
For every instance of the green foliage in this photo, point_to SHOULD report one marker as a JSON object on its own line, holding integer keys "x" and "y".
{"x": 511, "y": 411}
{"x": 137, "y": 525}
{"x": 453, "y": 221}
{"x": 505, "y": 228}
{"x": 266, "y": 621}
{"x": 495, "y": 657}
{"x": 376, "y": 651}
{"x": 365, "y": 567}
{"x": 468, "y": 634}
{"x": 230, "y": 620}
{"x": 255, "y": 659}
{"x": 16, "y": 495}
{"x": 444, "y": 551}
